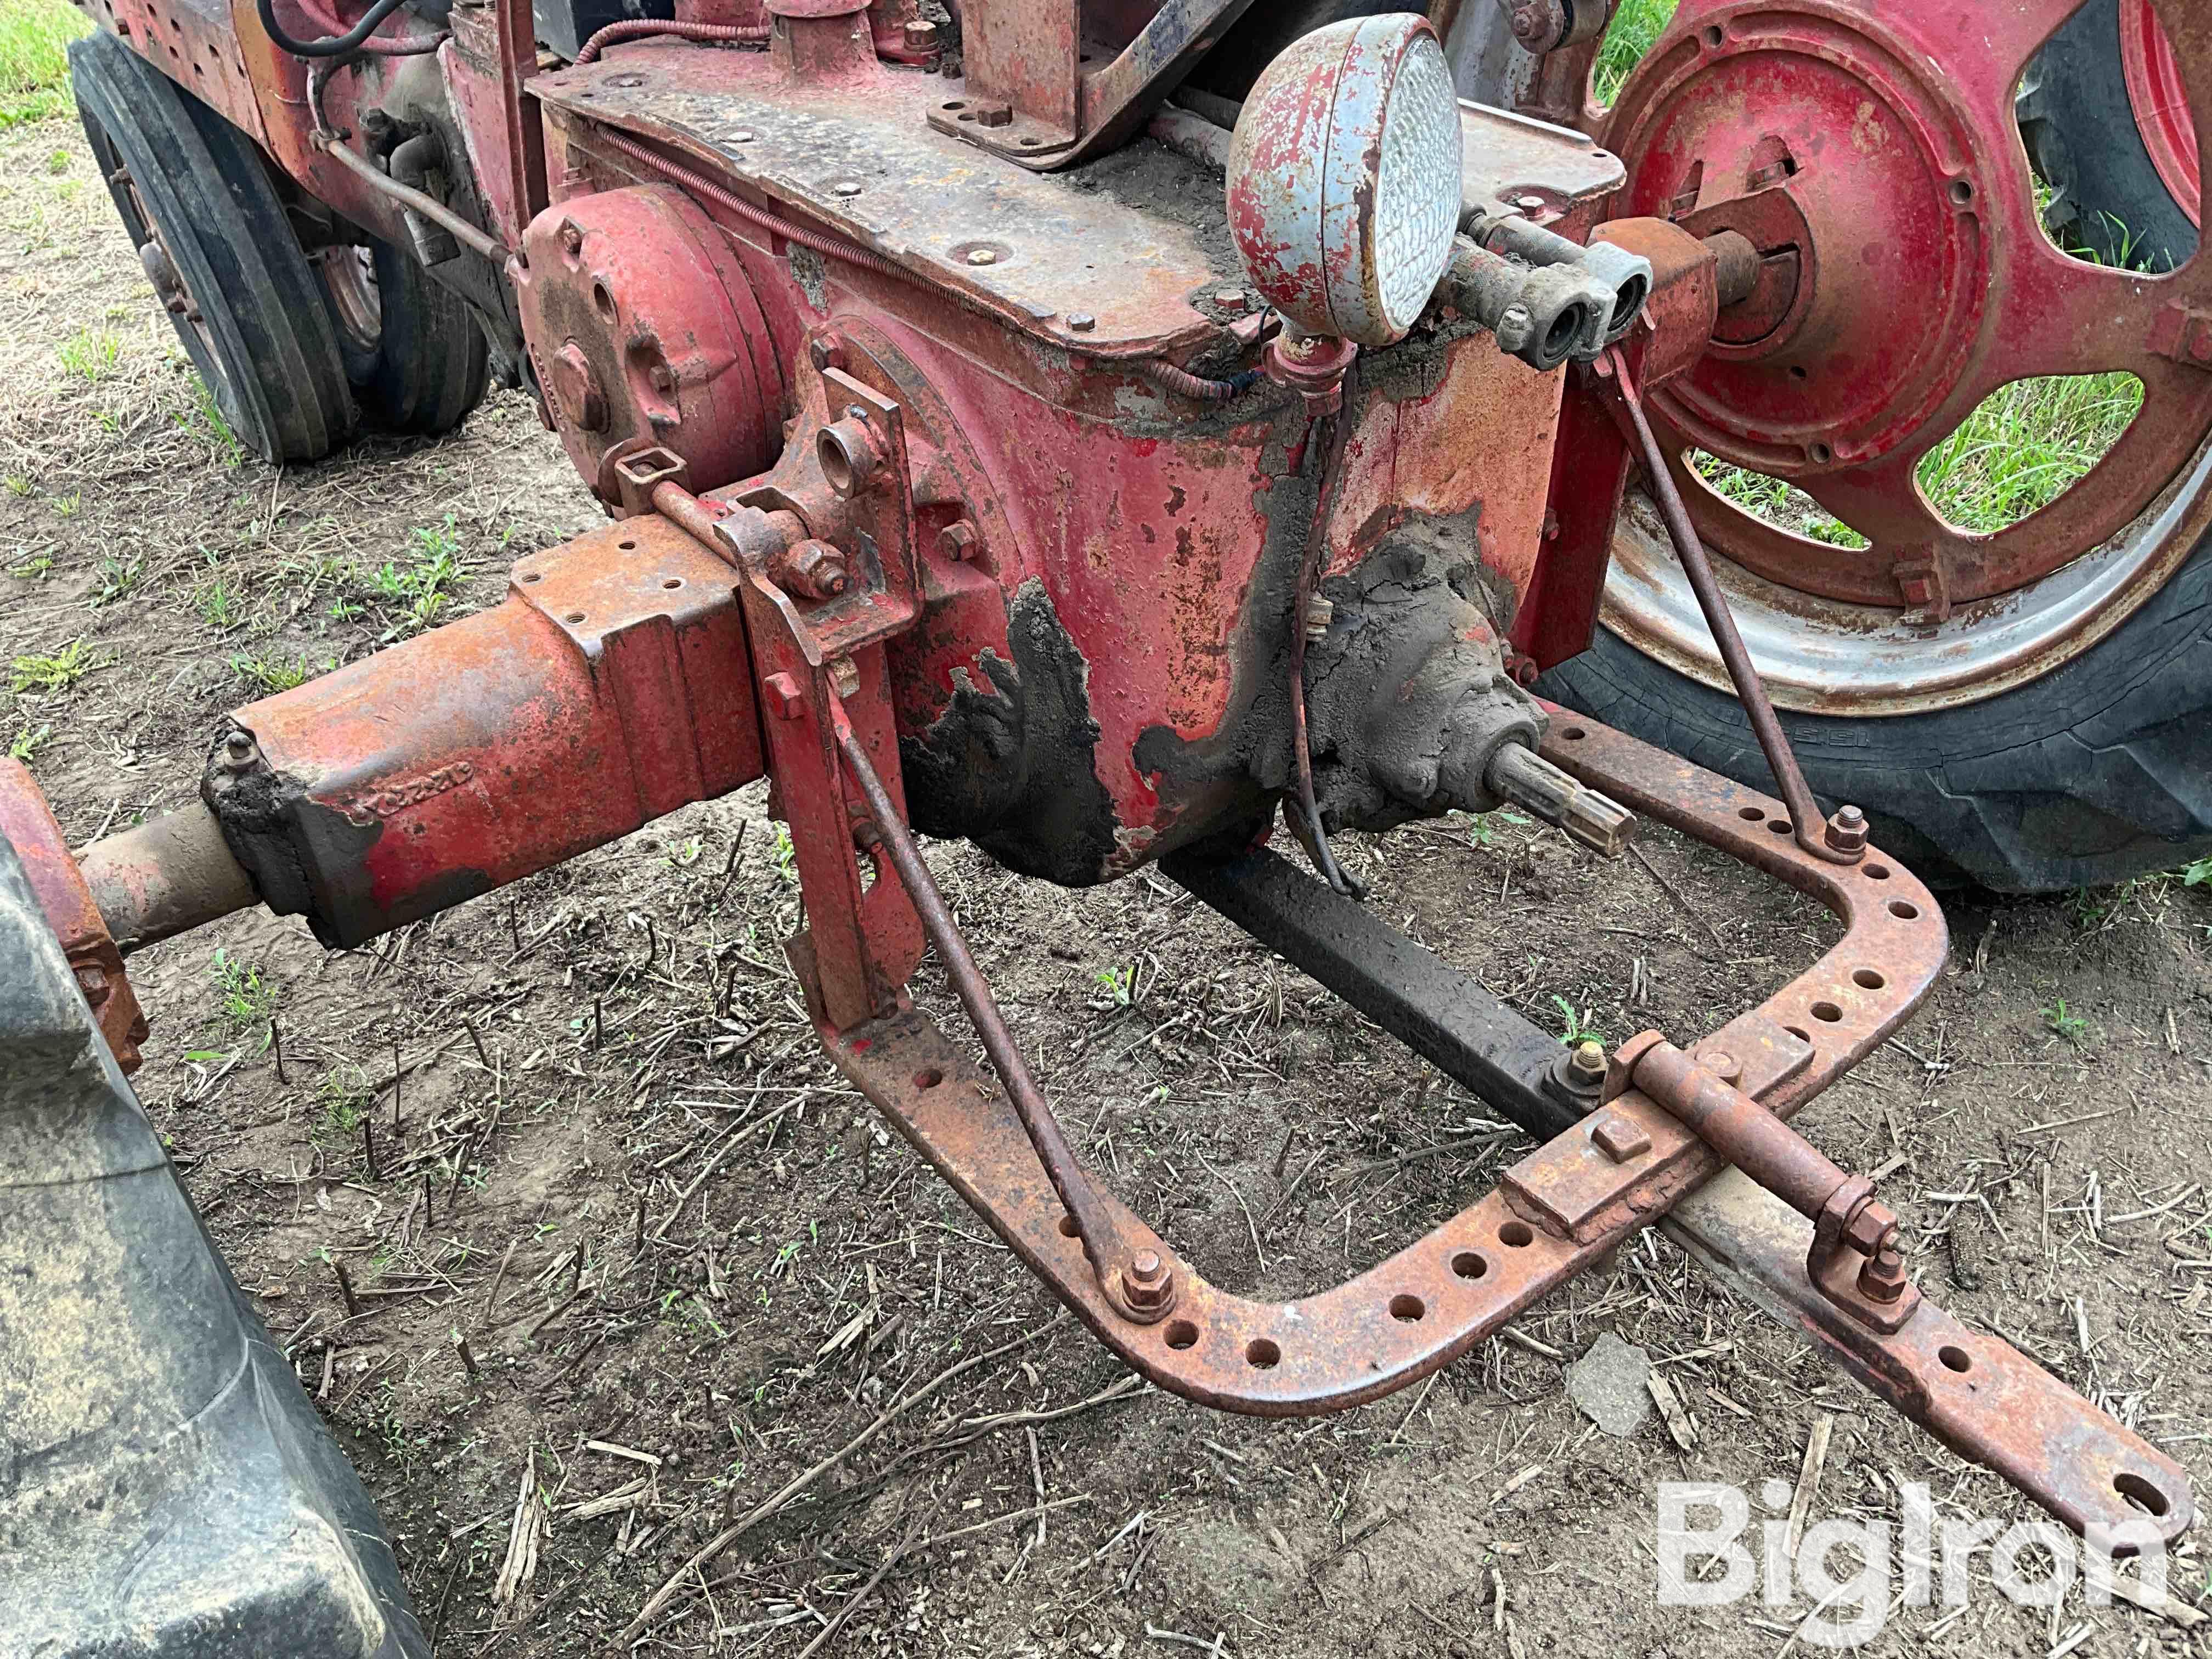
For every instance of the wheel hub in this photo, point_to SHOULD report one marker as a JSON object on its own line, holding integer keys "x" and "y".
{"x": 1870, "y": 153}
{"x": 1856, "y": 178}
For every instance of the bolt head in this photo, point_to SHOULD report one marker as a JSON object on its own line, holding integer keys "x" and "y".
{"x": 1619, "y": 1138}
{"x": 743, "y": 135}
{"x": 1846, "y": 831}
{"x": 1586, "y": 1060}
{"x": 845, "y": 674}
{"x": 239, "y": 745}
{"x": 783, "y": 696}
{"x": 920, "y": 36}
{"x": 1724, "y": 1065}
{"x": 982, "y": 256}
{"x": 1083, "y": 322}
{"x": 1883, "y": 1278}
{"x": 572, "y": 237}
{"x": 1232, "y": 299}
{"x": 825, "y": 355}
{"x": 1146, "y": 1283}
{"x": 958, "y": 540}
{"x": 847, "y": 187}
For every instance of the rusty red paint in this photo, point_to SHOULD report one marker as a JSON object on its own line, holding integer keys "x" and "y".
{"x": 612, "y": 686}
{"x": 1925, "y": 281}
{"x": 27, "y": 824}
{"x": 2161, "y": 101}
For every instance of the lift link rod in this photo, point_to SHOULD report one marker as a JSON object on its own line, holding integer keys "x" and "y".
{"x": 1840, "y": 840}
{"x": 1141, "y": 1286}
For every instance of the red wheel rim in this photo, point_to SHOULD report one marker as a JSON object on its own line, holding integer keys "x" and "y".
{"x": 1882, "y": 141}
{"x": 2161, "y": 105}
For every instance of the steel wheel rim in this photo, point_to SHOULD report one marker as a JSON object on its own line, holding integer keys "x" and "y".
{"x": 2161, "y": 102}
{"x": 347, "y": 273}
{"x": 1851, "y": 646}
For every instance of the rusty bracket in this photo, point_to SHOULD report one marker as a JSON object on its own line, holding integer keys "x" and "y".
{"x": 28, "y": 823}
{"x": 1562, "y": 1207}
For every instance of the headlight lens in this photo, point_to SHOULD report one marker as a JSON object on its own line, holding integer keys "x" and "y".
{"x": 1344, "y": 178}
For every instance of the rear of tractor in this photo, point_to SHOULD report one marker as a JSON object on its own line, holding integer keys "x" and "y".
{"x": 994, "y": 449}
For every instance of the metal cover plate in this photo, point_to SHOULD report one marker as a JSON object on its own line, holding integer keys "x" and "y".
{"x": 1064, "y": 245}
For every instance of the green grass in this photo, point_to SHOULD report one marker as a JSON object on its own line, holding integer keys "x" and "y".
{"x": 1627, "y": 38}
{"x": 34, "y": 37}
{"x": 56, "y": 673}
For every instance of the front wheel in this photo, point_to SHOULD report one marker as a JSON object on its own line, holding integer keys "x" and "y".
{"x": 196, "y": 198}
{"x": 415, "y": 354}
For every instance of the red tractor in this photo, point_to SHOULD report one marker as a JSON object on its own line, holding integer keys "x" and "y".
{"x": 1092, "y": 428}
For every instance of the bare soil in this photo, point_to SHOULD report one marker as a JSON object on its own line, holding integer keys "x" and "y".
{"x": 568, "y": 1064}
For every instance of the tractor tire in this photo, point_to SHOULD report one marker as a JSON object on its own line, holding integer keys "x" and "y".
{"x": 170, "y": 1491}
{"x": 415, "y": 354}
{"x": 2080, "y": 129}
{"x": 196, "y": 196}
{"x": 2099, "y": 772}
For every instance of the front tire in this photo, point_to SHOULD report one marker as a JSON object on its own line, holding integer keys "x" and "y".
{"x": 196, "y": 197}
{"x": 415, "y": 354}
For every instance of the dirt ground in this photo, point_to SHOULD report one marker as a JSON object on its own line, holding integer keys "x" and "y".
{"x": 569, "y": 1064}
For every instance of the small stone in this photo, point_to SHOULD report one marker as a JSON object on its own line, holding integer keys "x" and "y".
{"x": 1608, "y": 1383}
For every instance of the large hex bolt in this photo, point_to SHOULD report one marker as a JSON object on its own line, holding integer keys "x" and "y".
{"x": 848, "y": 455}
{"x": 811, "y": 570}
{"x": 576, "y": 386}
{"x": 1847, "y": 831}
{"x": 1147, "y": 1284}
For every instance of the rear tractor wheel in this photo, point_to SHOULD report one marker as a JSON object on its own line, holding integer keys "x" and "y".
{"x": 2011, "y": 671}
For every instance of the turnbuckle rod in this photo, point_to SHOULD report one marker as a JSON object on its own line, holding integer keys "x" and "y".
{"x": 1142, "y": 1287}
{"x": 1855, "y": 1259}
{"x": 1840, "y": 842}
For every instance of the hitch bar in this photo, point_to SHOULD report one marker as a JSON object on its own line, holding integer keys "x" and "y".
{"x": 1610, "y": 1168}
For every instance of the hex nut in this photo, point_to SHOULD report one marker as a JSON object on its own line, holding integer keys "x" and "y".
{"x": 959, "y": 541}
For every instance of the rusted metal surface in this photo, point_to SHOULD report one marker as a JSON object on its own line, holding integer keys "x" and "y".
{"x": 1975, "y": 1392}
{"x": 1931, "y": 282}
{"x": 612, "y": 686}
{"x": 924, "y": 201}
{"x": 192, "y": 42}
{"x": 169, "y": 874}
{"x": 646, "y": 333}
{"x": 1556, "y": 1212}
{"x": 2160, "y": 98}
{"x": 1143, "y": 1300}
{"x": 27, "y": 824}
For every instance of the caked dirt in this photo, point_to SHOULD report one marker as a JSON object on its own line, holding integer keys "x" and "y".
{"x": 619, "y": 1039}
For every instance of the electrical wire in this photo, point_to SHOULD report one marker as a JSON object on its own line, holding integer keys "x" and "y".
{"x": 632, "y": 28}
{"x": 333, "y": 45}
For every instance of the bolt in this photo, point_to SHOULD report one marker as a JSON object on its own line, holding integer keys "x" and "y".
{"x": 1231, "y": 300}
{"x": 743, "y": 135}
{"x": 847, "y": 187}
{"x": 1847, "y": 831}
{"x": 1619, "y": 1138}
{"x": 1082, "y": 322}
{"x": 1882, "y": 1279}
{"x": 1725, "y": 1066}
{"x": 1586, "y": 1063}
{"x": 959, "y": 541}
{"x": 785, "y": 700}
{"x": 825, "y": 355}
{"x": 576, "y": 385}
{"x": 238, "y": 747}
{"x": 920, "y": 36}
{"x": 1146, "y": 1283}
{"x": 1529, "y": 204}
{"x": 816, "y": 569}
{"x": 1319, "y": 613}
{"x": 982, "y": 256}
{"x": 572, "y": 238}
{"x": 845, "y": 674}
{"x": 663, "y": 378}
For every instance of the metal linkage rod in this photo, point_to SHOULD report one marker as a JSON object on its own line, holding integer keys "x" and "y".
{"x": 1142, "y": 1288}
{"x": 1841, "y": 843}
